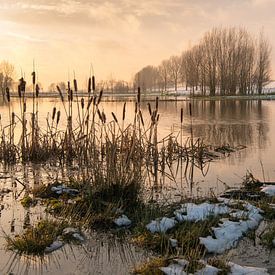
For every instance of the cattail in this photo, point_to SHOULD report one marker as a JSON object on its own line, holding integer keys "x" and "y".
{"x": 99, "y": 114}
{"x": 24, "y": 107}
{"x": 75, "y": 85}
{"x": 103, "y": 117}
{"x": 82, "y": 103}
{"x": 94, "y": 101}
{"x": 136, "y": 108}
{"x": 58, "y": 117}
{"x": 181, "y": 115}
{"x": 124, "y": 110}
{"x": 114, "y": 116}
{"x": 37, "y": 89}
{"x": 93, "y": 82}
{"x": 19, "y": 91}
{"x": 69, "y": 86}
{"x": 71, "y": 95}
{"x": 54, "y": 112}
{"x": 149, "y": 108}
{"x": 8, "y": 94}
{"x": 60, "y": 93}
{"x": 157, "y": 103}
{"x": 138, "y": 95}
{"x": 141, "y": 117}
{"x": 33, "y": 78}
{"x": 190, "y": 109}
{"x": 87, "y": 119}
{"x": 89, "y": 85}
{"x": 158, "y": 117}
{"x": 89, "y": 103}
{"x": 12, "y": 118}
{"x": 100, "y": 96}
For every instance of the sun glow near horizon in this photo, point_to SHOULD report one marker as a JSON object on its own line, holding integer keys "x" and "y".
{"x": 118, "y": 37}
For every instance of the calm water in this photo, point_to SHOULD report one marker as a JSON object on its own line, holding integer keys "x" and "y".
{"x": 234, "y": 122}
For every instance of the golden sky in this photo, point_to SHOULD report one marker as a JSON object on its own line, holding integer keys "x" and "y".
{"x": 119, "y": 37}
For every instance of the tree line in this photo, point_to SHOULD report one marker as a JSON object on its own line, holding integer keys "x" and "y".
{"x": 226, "y": 61}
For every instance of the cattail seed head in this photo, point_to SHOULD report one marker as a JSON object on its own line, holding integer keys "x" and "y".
{"x": 181, "y": 115}
{"x": 114, "y": 116}
{"x": 99, "y": 114}
{"x": 71, "y": 95}
{"x": 100, "y": 97}
{"x": 75, "y": 85}
{"x": 190, "y": 109}
{"x": 93, "y": 82}
{"x": 89, "y": 103}
{"x": 124, "y": 111}
{"x": 54, "y": 112}
{"x": 12, "y": 118}
{"x": 138, "y": 95}
{"x": 8, "y": 94}
{"x": 141, "y": 117}
{"x": 82, "y": 103}
{"x": 58, "y": 117}
{"x": 89, "y": 85}
{"x": 149, "y": 108}
{"x": 157, "y": 103}
{"x": 24, "y": 107}
{"x": 19, "y": 91}
{"x": 60, "y": 93}
{"x": 37, "y": 90}
{"x": 33, "y": 78}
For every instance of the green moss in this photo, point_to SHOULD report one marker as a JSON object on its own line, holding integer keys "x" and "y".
{"x": 28, "y": 201}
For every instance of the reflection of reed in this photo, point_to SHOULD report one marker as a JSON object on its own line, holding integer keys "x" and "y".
{"x": 100, "y": 254}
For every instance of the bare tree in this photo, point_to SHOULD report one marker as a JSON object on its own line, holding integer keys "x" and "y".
{"x": 262, "y": 71}
{"x": 6, "y": 76}
{"x": 174, "y": 68}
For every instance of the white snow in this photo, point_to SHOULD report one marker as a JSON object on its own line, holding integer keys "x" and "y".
{"x": 197, "y": 212}
{"x": 173, "y": 269}
{"x": 269, "y": 190}
{"x": 229, "y": 232}
{"x": 63, "y": 189}
{"x": 208, "y": 270}
{"x": 70, "y": 230}
{"x": 54, "y": 246}
{"x": 245, "y": 270}
{"x": 173, "y": 242}
{"x": 78, "y": 237}
{"x": 123, "y": 220}
{"x": 161, "y": 225}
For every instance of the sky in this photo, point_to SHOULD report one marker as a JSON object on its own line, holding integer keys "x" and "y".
{"x": 118, "y": 37}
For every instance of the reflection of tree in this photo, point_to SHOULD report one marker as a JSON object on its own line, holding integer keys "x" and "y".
{"x": 229, "y": 122}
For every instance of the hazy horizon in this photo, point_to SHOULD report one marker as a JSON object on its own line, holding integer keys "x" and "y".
{"x": 118, "y": 37}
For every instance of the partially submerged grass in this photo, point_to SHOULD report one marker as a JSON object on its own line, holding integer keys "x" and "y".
{"x": 221, "y": 264}
{"x": 152, "y": 267}
{"x": 35, "y": 239}
{"x": 268, "y": 238}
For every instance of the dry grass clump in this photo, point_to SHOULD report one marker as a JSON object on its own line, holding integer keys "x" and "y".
{"x": 221, "y": 264}
{"x": 151, "y": 267}
{"x": 268, "y": 238}
{"x": 36, "y": 238}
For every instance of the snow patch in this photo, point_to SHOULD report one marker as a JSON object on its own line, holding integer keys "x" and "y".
{"x": 198, "y": 212}
{"x": 123, "y": 220}
{"x": 161, "y": 225}
{"x": 245, "y": 270}
{"x": 269, "y": 190}
{"x": 54, "y": 246}
{"x": 229, "y": 232}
